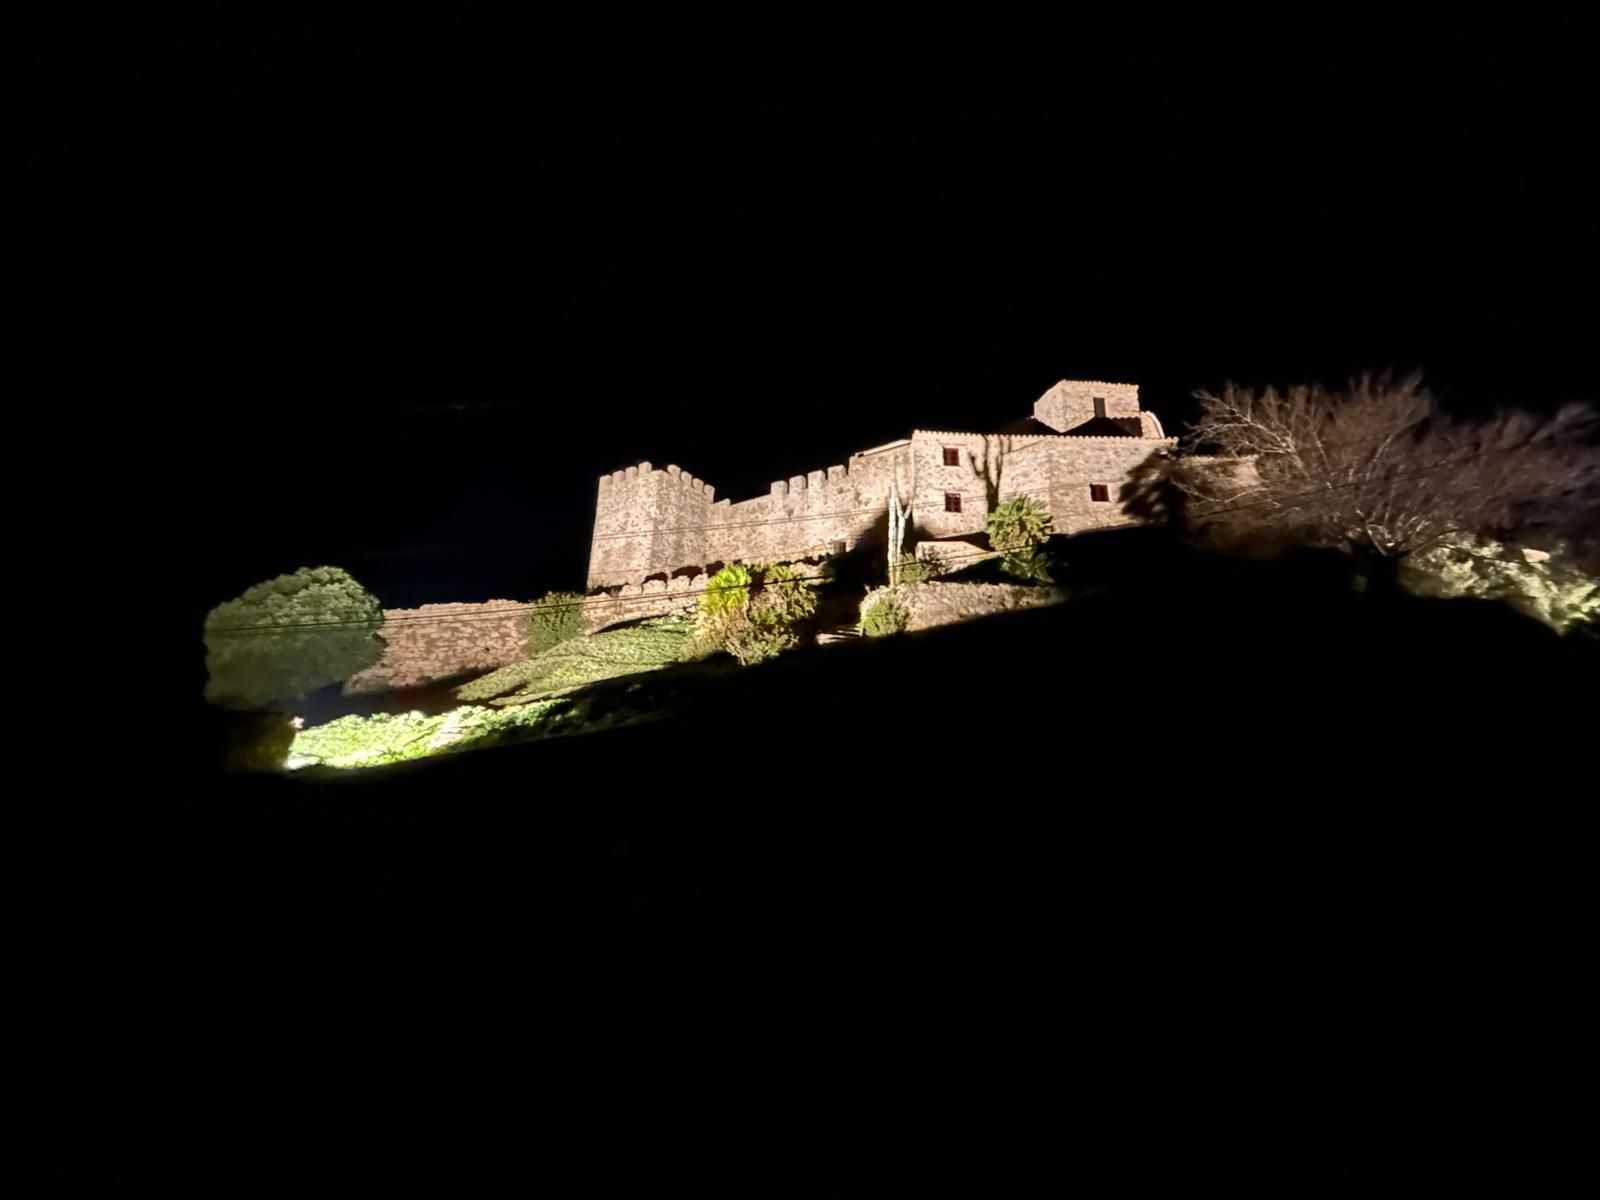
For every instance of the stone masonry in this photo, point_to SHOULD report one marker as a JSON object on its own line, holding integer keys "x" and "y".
{"x": 1072, "y": 456}
{"x": 439, "y": 641}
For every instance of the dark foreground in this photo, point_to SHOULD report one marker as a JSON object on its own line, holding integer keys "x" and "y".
{"x": 1224, "y": 884}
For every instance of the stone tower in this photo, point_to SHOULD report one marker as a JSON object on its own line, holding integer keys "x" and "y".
{"x": 1074, "y": 402}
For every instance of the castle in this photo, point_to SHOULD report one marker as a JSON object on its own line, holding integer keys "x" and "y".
{"x": 1072, "y": 456}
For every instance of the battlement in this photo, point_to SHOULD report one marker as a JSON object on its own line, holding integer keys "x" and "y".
{"x": 645, "y": 472}
{"x": 653, "y": 522}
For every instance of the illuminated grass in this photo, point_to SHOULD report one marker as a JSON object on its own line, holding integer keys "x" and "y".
{"x": 574, "y": 663}
{"x": 383, "y": 738}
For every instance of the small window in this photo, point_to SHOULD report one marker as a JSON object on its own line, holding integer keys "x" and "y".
{"x": 1099, "y": 493}
{"x": 836, "y": 546}
{"x": 952, "y": 502}
{"x": 1100, "y": 407}
{"x": 952, "y": 456}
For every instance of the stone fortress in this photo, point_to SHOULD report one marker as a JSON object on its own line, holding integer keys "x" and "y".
{"x": 1072, "y": 456}
{"x": 656, "y": 532}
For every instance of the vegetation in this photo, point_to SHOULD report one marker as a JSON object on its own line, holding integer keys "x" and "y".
{"x": 382, "y": 738}
{"x": 728, "y": 589}
{"x": 1538, "y": 583}
{"x": 756, "y": 619}
{"x": 578, "y": 661}
{"x": 1030, "y": 565}
{"x": 289, "y": 636}
{"x": 555, "y": 618}
{"x": 1019, "y": 528}
{"x": 257, "y": 741}
{"x": 1379, "y": 470}
{"x": 883, "y": 613}
{"x": 1019, "y": 523}
{"x": 924, "y": 568}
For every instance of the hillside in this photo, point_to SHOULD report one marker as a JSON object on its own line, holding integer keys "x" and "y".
{"x": 1217, "y": 868}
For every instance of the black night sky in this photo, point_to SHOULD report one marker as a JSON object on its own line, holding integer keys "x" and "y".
{"x": 388, "y": 286}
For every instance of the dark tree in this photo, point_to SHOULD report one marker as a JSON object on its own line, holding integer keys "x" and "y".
{"x": 1378, "y": 469}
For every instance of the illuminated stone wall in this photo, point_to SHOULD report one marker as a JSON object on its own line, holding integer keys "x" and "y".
{"x": 652, "y": 523}
{"x": 933, "y": 604}
{"x": 648, "y": 520}
{"x": 1072, "y": 402}
{"x": 440, "y": 641}
{"x": 446, "y": 641}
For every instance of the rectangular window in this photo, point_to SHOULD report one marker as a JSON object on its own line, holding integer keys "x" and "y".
{"x": 1099, "y": 492}
{"x": 952, "y": 502}
{"x": 1100, "y": 406}
{"x": 952, "y": 456}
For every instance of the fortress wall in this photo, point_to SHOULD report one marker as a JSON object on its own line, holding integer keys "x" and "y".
{"x": 804, "y": 515}
{"x": 440, "y": 641}
{"x": 1076, "y": 463}
{"x": 648, "y": 520}
{"x": 981, "y": 457}
{"x": 676, "y": 596}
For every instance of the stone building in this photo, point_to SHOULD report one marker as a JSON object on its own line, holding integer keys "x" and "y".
{"x": 1072, "y": 456}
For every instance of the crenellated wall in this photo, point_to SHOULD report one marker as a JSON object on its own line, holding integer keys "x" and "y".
{"x": 808, "y": 515}
{"x": 647, "y": 521}
{"x": 650, "y": 522}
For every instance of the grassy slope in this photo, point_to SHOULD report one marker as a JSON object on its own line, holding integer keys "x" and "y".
{"x": 583, "y": 660}
{"x": 1237, "y": 863}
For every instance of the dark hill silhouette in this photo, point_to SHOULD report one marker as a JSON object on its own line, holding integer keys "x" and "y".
{"x": 1222, "y": 872}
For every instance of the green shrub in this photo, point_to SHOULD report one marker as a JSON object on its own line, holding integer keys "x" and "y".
{"x": 754, "y": 613}
{"x": 1030, "y": 565}
{"x": 784, "y": 598}
{"x": 554, "y": 618}
{"x": 1019, "y": 523}
{"x": 883, "y": 613}
{"x": 923, "y": 569}
{"x": 728, "y": 588}
{"x": 1540, "y": 585}
{"x": 289, "y": 636}
{"x": 736, "y": 633}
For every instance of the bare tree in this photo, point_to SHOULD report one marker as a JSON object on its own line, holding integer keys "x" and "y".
{"x": 1377, "y": 469}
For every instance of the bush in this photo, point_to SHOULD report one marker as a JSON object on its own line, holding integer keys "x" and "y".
{"x": 257, "y": 741}
{"x": 784, "y": 596}
{"x": 883, "y": 613}
{"x": 1030, "y": 565}
{"x": 754, "y": 613}
{"x": 929, "y": 566}
{"x": 728, "y": 588}
{"x": 555, "y": 618}
{"x": 1019, "y": 523}
{"x": 289, "y": 636}
{"x": 1538, "y": 584}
